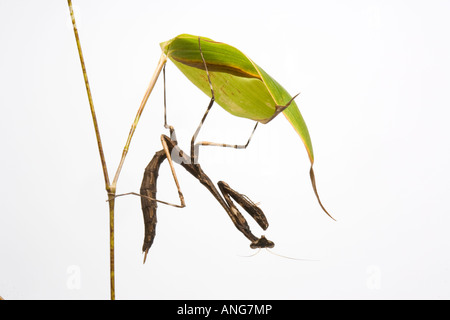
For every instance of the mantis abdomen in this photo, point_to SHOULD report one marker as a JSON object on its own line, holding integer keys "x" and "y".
{"x": 148, "y": 190}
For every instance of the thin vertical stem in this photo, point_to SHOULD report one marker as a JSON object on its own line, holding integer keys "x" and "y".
{"x": 110, "y": 189}
{"x": 111, "y": 246}
{"x": 91, "y": 102}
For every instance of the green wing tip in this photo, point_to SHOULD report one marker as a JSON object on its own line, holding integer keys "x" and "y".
{"x": 313, "y": 181}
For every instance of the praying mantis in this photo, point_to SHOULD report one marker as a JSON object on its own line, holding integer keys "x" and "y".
{"x": 205, "y": 62}
{"x": 238, "y": 85}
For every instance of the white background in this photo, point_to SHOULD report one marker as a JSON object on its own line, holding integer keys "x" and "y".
{"x": 374, "y": 81}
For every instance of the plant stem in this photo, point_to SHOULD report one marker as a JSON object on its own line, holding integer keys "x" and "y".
{"x": 161, "y": 63}
{"x": 91, "y": 102}
{"x": 111, "y": 187}
{"x": 111, "y": 245}
{"x": 111, "y": 190}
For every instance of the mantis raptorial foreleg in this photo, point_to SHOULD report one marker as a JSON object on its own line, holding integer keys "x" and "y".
{"x": 227, "y": 192}
{"x": 148, "y": 195}
{"x": 239, "y": 221}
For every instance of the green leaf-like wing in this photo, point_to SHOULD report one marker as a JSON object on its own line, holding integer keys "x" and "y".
{"x": 240, "y": 86}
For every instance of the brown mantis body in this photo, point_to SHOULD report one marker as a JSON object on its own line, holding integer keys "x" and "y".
{"x": 149, "y": 204}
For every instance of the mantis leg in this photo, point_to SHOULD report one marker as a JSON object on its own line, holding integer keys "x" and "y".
{"x": 169, "y": 158}
{"x": 239, "y": 221}
{"x": 172, "y": 130}
{"x": 226, "y": 202}
{"x": 224, "y": 145}
{"x": 149, "y": 180}
{"x": 195, "y": 146}
{"x": 211, "y": 102}
{"x": 224, "y": 197}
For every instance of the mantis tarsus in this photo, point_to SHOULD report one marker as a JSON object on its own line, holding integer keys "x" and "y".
{"x": 253, "y": 95}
